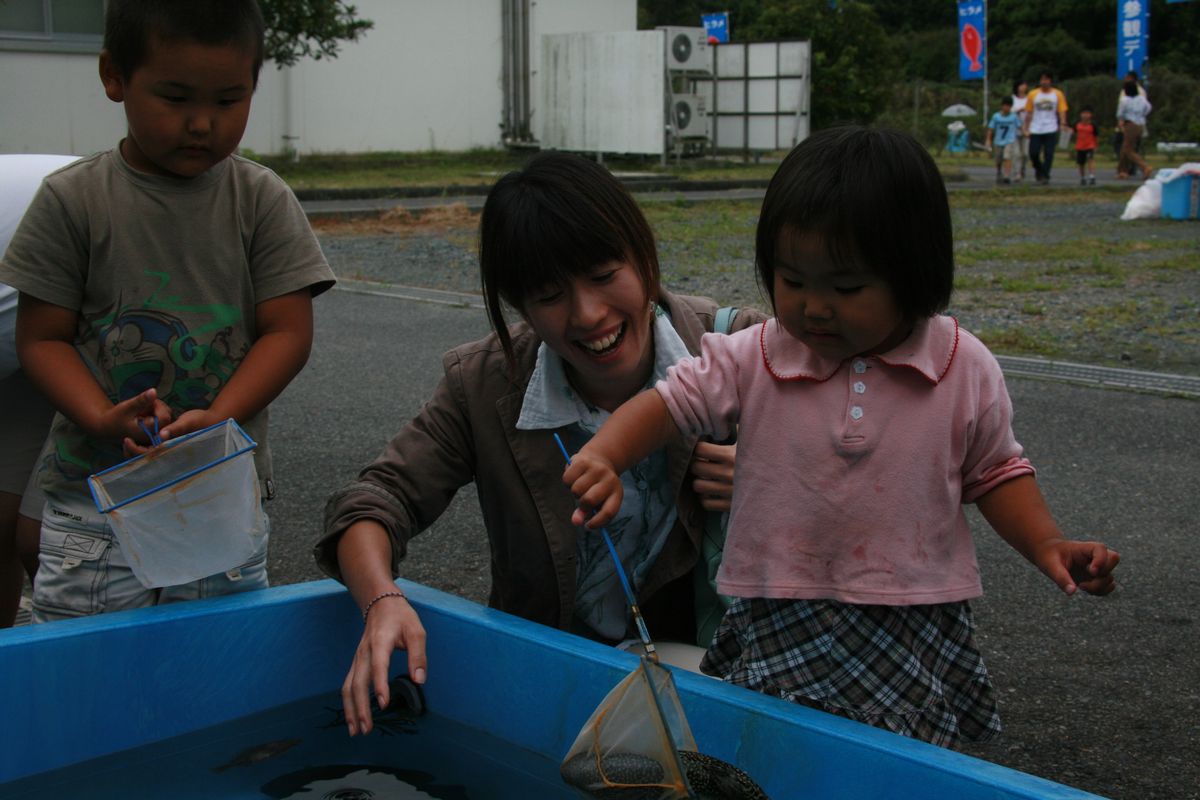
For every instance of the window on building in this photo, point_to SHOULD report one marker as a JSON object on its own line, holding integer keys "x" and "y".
{"x": 51, "y": 24}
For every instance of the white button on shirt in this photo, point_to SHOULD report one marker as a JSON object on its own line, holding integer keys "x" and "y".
{"x": 859, "y": 387}
{"x": 856, "y": 412}
{"x": 860, "y": 366}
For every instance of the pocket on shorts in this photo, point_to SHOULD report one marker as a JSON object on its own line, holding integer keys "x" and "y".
{"x": 72, "y": 577}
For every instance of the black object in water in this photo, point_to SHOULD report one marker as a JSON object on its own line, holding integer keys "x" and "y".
{"x": 710, "y": 778}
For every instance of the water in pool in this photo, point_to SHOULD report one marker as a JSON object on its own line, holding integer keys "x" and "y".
{"x": 302, "y": 750}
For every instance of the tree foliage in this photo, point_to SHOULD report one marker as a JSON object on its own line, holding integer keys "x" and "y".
{"x": 1074, "y": 38}
{"x": 853, "y": 59}
{"x": 881, "y": 60}
{"x": 313, "y": 28}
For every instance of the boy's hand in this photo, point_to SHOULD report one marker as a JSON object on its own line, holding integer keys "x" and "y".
{"x": 121, "y": 420}
{"x": 595, "y": 482}
{"x": 1078, "y": 565}
{"x": 189, "y": 421}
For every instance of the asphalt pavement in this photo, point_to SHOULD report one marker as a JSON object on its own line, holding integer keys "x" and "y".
{"x": 1098, "y": 693}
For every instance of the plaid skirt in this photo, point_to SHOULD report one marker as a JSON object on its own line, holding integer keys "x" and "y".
{"x": 913, "y": 670}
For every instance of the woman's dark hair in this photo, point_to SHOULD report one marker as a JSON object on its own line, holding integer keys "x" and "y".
{"x": 559, "y": 216}
{"x": 1131, "y": 89}
{"x": 1018, "y": 83}
{"x": 876, "y": 200}
{"x": 131, "y": 25}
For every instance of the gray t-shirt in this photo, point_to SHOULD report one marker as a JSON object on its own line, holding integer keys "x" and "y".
{"x": 165, "y": 274}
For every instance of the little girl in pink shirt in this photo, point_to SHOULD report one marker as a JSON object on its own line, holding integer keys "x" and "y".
{"x": 865, "y": 420}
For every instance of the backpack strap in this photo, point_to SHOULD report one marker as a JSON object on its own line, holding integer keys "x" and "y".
{"x": 724, "y": 319}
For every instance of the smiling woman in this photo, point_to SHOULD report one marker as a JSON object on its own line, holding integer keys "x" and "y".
{"x": 565, "y": 246}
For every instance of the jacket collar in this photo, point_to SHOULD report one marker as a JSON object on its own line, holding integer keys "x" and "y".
{"x": 929, "y": 350}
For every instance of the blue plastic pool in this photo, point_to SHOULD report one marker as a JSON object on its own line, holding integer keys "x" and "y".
{"x": 218, "y": 698}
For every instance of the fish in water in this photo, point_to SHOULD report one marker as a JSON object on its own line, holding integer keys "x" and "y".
{"x": 710, "y": 778}
{"x": 260, "y": 752}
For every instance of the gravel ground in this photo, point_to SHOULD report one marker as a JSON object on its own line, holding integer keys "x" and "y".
{"x": 1050, "y": 274}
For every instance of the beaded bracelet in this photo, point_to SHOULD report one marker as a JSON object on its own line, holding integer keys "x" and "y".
{"x": 367, "y": 610}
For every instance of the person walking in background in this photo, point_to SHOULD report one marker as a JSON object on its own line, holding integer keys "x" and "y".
{"x": 1131, "y": 115}
{"x": 1002, "y": 140}
{"x": 1118, "y": 136}
{"x": 1046, "y": 115}
{"x": 1020, "y": 101}
{"x": 1086, "y": 135}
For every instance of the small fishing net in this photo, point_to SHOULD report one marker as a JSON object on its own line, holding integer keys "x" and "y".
{"x": 629, "y": 747}
{"x": 637, "y": 744}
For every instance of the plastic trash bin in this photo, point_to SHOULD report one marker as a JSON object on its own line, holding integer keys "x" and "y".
{"x": 1181, "y": 197}
{"x": 187, "y": 509}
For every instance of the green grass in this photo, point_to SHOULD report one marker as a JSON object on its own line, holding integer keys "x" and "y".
{"x": 1019, "y": 341}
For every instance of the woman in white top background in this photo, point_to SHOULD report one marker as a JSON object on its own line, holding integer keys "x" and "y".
{"x": 1131, "y": 116}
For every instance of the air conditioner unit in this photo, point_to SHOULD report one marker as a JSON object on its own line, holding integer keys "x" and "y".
{"x": 689, "y": 117}
{"x": 687, "y": 50}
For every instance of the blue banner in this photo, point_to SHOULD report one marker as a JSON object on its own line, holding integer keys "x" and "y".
{"x": 716, "y": 26}
{"x": 972, "y": 40}
{"x": 1133, "y": 36}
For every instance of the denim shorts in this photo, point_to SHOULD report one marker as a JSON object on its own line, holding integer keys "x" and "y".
{"x": 82, "y": 571}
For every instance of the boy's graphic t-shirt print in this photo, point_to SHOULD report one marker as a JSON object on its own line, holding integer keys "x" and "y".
{"x": 186, "y": 352}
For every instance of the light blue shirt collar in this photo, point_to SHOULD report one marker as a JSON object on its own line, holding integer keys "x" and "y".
{"x": 551, "y": 402}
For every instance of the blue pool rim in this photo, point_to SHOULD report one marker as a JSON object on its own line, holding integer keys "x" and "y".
{"x": 170, "y": 443}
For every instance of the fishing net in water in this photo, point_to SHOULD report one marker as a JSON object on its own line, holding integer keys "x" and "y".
{"x": 637, "y": 746}
{"x": 629, "y": 747}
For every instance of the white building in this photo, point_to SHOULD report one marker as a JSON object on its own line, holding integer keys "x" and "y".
{"x": 431, "y": 75}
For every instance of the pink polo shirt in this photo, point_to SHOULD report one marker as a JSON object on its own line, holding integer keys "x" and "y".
{"x": 851, "y": 475}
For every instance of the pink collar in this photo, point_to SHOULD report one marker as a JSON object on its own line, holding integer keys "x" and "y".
{"x": 929, "y": 350}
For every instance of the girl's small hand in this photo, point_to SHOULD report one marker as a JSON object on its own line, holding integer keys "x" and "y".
{"x": 712, "y": 469}
{"x": 1079, "y": 565}
{"x": 595, "y": 482}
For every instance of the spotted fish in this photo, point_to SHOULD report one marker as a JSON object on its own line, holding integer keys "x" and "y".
{"x": 260, "y": 752}
{"x": 710, "y": 778}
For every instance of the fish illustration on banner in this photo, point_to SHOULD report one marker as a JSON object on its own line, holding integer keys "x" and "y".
{"x": 972, "y": 40}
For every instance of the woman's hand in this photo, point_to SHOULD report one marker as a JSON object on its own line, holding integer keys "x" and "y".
{"x": 712, "y": 471}
{"x": 392, "y": 624}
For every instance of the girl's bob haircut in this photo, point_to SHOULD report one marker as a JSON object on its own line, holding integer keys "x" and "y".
{"x": 876, "y": 199}
{"x": 558, "y": 217}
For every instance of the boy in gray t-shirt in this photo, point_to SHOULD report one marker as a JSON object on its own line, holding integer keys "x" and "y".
{"x": 166, "y": 278}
